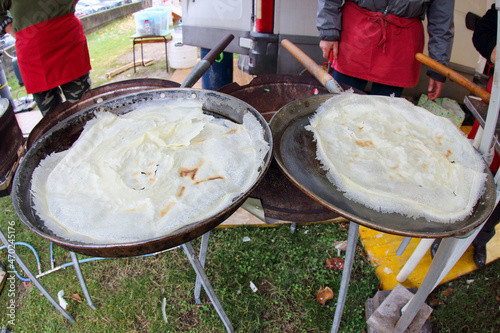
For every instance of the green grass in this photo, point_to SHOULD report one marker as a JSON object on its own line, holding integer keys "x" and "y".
{"x": 472, "y": 306}
{"x": 107, "y": 46}
{"x": 288, "y": 270}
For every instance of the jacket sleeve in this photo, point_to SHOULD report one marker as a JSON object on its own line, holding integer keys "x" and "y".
{"x": 329, "y": 19}
{"x": 485, "y": 33}
{"x": 441, "y": 32}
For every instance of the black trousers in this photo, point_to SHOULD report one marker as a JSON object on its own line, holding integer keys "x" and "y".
{"x": 488, "y": 230}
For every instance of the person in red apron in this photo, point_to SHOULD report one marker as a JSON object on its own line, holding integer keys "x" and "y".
{"x": 376, "y": 40}
{"x": 51, "y": 49}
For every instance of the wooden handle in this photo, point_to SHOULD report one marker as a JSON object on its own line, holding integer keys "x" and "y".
{"x": 313, "y": 68}
{"x": 454, "y": 76}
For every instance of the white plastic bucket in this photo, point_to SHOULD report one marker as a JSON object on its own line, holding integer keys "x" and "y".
{"x": 180, "y": 55}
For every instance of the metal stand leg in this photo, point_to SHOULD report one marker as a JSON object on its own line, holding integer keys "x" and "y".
{"x": 449, "y": 252}
{"x": 346, "y": 274}
{"x": 79, "y": 274}
{"x": 142, "y": 55}
{"x": 403, "y": 245}
{"x": 189, "y": 251}
{"x": 416, "y": 256}
{"x": 31, "y": 276}
{"x": 133, "y": 49}
{"x": 203, "y": 257}
{"x": 166, "y": 55}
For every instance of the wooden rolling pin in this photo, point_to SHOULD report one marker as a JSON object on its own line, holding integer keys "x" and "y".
{"x": 454, "y": 76}
{"x": 321, "y": 75}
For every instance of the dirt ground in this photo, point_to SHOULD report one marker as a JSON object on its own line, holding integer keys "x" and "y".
{"x": 155, "y": 52}
{"x": 157, "y": 70}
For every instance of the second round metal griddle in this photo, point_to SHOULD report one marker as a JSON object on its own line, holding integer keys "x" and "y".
{"x": 295, "y": 153}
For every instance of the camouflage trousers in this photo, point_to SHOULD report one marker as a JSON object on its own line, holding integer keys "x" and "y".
{"x": 72, "y": 91}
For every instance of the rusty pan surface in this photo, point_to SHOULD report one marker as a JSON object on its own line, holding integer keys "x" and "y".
{"x": 62, "y": 136}
{"x": 295, "y": 153}
{"x": 280, "y": 198}
{"x": 11, "y": 141}
{"x": 92, "y": 97}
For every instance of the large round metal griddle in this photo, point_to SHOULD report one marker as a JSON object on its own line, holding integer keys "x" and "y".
{"x": 295, "y": 153}
{"x": 62, "y": 136}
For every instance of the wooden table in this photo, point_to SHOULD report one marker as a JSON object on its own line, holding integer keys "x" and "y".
{"x": 147, "y": 39}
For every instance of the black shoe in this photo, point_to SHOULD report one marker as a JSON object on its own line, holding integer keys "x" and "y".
{"x": 434, "y": 247}
{"x": 480, "y": 256}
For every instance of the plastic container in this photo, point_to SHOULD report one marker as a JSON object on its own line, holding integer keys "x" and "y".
{"x": 148, "y": 22}
{"x": 163, "y": 19}
{"x": 143, "y": 23}
{"x": 180, "y": 55}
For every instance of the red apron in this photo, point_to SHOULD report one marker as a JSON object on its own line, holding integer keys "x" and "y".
{"x": 379, "y": 48}
{"x": 51, "y": 53}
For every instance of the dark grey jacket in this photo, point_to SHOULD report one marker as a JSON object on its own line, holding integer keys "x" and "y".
{"x": 439, "y": 17}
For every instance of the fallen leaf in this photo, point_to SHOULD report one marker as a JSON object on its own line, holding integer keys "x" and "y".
{"x": 344, "y": 226}
{"x": 447, "y": 292}
{"x": 337, "y": 264}
{"x": 324, "y": 295}
{"x": 497, "y": 298}
{"x": 27, "y": 284}
{"x": 434, "y": 301}
{"x": 76, "y": 297}
{"x": 340, "y": 245}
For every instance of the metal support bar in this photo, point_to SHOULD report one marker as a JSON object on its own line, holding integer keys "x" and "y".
{"x": 203, "y": 257}
{"x": 416, "y": 256}
{"x": 352, "y": 240}
{"x": 31, "y": 276}
{"x": 79, "y": 274}
{"x": 493, "y": 106}
{"x": 133, "y": 52}
{"x": 142, "y": 55}
{"x": 449, "y": 252}
{"x": 166, "y": 54}
{"x": 403, "y": 245}
{"x": 149, "y": 40}
{"x": 189, "y": 251}
{"x": 254, "y": 207}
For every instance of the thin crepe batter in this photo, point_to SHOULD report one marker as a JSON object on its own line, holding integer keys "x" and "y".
{"x": 394, "y": 157}
{"x": 147, "y": 173}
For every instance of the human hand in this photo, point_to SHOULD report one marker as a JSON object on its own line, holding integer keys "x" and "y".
{"x": 434, "y": 89}
{"x": 493, "y": 55}
{"x": 327, "y": 46}
{"x": 10, "y": 30}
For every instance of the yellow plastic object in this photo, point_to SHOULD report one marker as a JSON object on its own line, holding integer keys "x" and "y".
{"x": 381, "y": 249}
